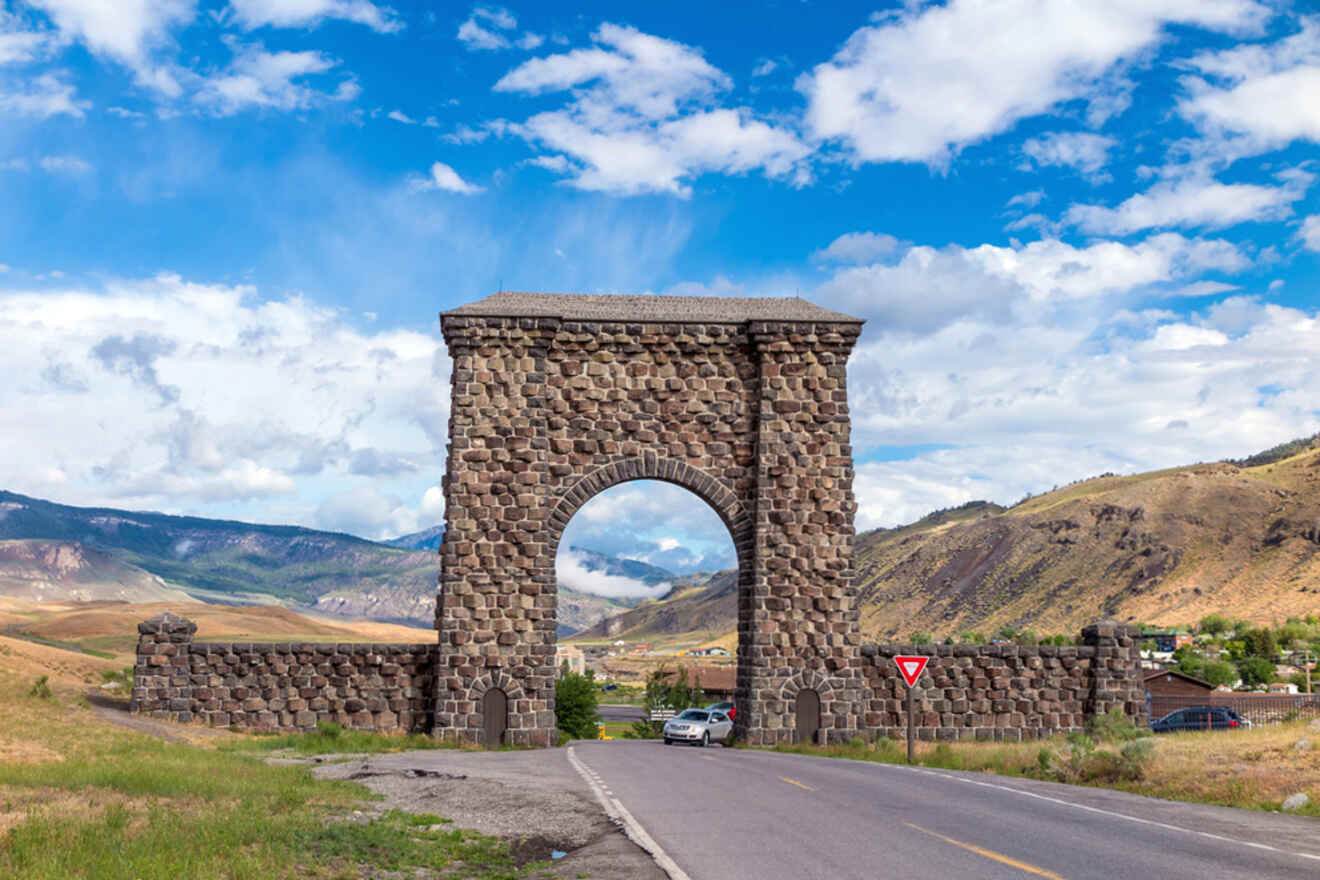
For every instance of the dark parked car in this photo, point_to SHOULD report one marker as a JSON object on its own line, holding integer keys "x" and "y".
{"x": 1200, "y": 718}
{"x": 726, "y": 707}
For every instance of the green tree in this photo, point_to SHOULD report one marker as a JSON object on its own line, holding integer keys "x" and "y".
{"x": 1213, "y": 624}
{"x": 920, "y": 637}
{"x": 662, "y": 694}
{"x": 1255, "y": 671}
{"x": 1217, "y": 672}
{"x": 1293, "y": 633}
{"x": 576, "y": 713}
{"x": 1262, "y": 643}
{"x": 1191, "y": 663}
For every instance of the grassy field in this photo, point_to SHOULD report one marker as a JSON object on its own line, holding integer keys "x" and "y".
{"x": 80, "y": 798}
{"x": 110, "y": 628}
{"x": 1250, "y": 769}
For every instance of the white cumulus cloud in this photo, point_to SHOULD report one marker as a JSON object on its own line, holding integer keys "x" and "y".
{"x": 644, "y": 116}
{"x": 1196, "y": 201}
{"x": 443, "y": 177}
{"x": 257, "y": 78}
{"x": 1087, "y": 152}
{"x": 922, "y": 83}
{"x": 571, "y": 572}
{"x": 308, "y": 13}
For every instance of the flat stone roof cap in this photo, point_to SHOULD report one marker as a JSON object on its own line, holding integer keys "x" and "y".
{"x": 649, "y": 309}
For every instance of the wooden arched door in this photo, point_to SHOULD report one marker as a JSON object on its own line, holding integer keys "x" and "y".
{"x": 495, "y": 715}
{"x": 807, "y": 712}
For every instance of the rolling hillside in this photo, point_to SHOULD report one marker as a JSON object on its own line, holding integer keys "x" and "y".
{"x": 52, "y": 551}
{"x": 1166, "y": 547}
{"x": 707, "y": 608}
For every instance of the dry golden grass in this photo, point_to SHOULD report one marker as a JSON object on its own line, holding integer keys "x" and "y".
{"x": 112, "y": 626}
{"x": 1249, "y": 769}
{"x": 1240, "y": 768}
{"x": 24, "y": 659}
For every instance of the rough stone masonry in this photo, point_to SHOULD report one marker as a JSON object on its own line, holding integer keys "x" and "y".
{"x": 556, "y": 398}
{"x": 742, "y": 401}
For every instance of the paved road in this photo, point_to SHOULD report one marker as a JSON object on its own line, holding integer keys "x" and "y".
{"x": 620, "y": 712}
{"x": 730, "y": 814}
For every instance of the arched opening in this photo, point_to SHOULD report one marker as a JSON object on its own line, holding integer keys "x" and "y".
{"x": 807, "y": 711}
{"x": 495, "y": 717}
{"x": 647, "y": 575}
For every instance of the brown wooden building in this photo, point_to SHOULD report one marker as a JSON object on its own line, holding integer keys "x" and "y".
{"x": 717, "y": 682}
{"x": 1172, "y": 683}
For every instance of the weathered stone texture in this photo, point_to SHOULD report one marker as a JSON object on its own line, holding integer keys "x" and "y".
{"x": 282, "y": 686}
{"x": 751, "y": 416}
{"x": 1007, "y": 692}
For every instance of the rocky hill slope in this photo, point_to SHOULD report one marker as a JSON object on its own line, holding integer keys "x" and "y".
{"x": 708, "y": 608}
{"x": 40, "y": 570}
{"x": 1166, "y": 547}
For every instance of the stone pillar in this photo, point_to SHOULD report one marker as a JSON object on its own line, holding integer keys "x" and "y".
{"x": 162, "y": 683}
{"x": 798, "y": 622}
{"x": 1115, "y": 671}
{"x": 496, "y": 606}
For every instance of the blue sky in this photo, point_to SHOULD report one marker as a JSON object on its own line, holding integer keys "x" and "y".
{"x": 1084, "y": 235}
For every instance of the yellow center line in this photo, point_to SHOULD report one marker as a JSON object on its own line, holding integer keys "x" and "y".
{"x": 707, "y": 758}
{"x": 794, "y": 782}
{"x": 981, "y": 851}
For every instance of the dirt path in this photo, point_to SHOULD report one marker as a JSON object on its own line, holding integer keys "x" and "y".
{"x": 116, "y": 712}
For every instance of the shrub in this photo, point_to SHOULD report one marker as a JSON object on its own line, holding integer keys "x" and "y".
{"x": 1087, "y": 762}
{"x": 575, "y": 704}
{"x": 1113, "y": 726}
{"x": 41, "y": 688}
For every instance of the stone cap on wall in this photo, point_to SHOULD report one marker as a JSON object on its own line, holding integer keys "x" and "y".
{"x": 649, "y": 309}
{"x": 167, "y": 623}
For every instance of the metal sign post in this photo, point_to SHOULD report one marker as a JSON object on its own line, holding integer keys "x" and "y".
{"x": 910, "y": 668}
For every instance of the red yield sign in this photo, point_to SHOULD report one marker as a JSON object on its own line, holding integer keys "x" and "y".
{"x": 910, "y": 668}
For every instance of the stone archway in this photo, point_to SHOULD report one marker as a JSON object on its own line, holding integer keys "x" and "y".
{"x": 558, "y": 397}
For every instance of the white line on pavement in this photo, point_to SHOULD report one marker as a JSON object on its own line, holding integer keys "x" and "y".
{"x": 619, "y": 813}
{"x": 1065, "y": 803}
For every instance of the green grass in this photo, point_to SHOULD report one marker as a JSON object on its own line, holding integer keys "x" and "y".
{"x": 329, "y": 739}
{"x": 138, "y": 809}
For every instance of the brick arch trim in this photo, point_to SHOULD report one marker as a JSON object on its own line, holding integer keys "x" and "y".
{"x": 496, "y": 678}
{"x": 737, "y": 519}
{"x": 806, "y": 679}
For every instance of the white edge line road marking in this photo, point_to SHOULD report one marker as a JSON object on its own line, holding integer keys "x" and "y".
{"x": 1137, "y": 819}
{"x": 619, "y": 813}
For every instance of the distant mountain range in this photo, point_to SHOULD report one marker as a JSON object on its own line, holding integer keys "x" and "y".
{"x": 427, "y": 539}
{"x": 223, "y": 560}
{"x": 56, "y": 551}
{"x": 1167, "y": 547}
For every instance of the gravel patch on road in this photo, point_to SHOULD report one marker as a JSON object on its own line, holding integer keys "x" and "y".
{"x": 533, "y": 799}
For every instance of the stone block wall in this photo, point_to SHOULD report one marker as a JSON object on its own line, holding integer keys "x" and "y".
{"x": 751, "y": 416}
{"x": 1001, "y": 692}
{"x": 1007, "y": 692}
{"x": 281, "y": 686}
